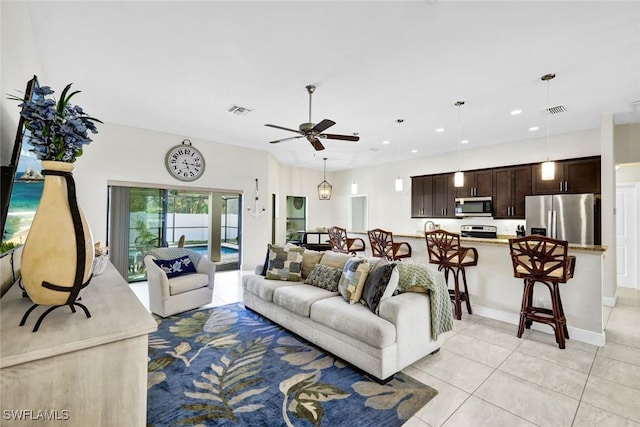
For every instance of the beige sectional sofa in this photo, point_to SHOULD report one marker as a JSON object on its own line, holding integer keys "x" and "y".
{"x": 379, "y": 344}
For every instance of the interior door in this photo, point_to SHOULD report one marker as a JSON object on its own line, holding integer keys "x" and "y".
{"x": 627, "y": 235}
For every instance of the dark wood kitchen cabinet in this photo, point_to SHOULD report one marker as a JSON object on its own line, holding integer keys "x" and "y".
{"x": 421, "y": 197}
{"x": 477, "y": 183}
{"x": 571, "y": 176}
{"x": 511, "y": 185}
{"x": 444, "y": 196}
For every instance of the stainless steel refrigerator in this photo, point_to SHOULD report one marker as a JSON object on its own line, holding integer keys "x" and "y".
{"x": 569, "y": 217}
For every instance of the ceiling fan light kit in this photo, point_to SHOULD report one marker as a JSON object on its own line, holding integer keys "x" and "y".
{"x": 313, "y": 132}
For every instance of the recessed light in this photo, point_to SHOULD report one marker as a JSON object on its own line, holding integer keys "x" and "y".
{"x": 534, "y": 128}
{"x": 439, "y": 130}
{"x": 464, "y": 141}
{"x": 414, "y": 151}
{"x": 386, "y": 142}
{"x": 516, "y": 112}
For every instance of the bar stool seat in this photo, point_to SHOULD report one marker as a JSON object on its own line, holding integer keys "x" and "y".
{"x": 445, "y": 251}
{"x": 538, "y": 259}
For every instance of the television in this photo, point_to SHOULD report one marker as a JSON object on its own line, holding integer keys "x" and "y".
{"x": 8, "y": 172}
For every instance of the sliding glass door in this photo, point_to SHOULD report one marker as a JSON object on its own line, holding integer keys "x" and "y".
{"x": 141, "y": 219}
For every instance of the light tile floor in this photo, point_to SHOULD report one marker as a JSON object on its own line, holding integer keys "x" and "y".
{"x": 486, "y": 376}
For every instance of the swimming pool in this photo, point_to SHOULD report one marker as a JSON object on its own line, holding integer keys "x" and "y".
{"x": 204, "y": 250}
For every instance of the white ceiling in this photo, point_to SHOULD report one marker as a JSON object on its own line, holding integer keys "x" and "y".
{"x": 177, "y": 66}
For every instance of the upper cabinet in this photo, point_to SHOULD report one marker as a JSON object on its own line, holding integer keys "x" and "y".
{"x": 422, "y": 197}
{"x": 571, "y": 176}
{"x": 433, "y": 196}
{"x": 477, "y": 184}
{"x": 444, "y": 196}
{"x": 511, "y": 185}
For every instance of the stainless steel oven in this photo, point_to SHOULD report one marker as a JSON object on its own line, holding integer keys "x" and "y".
{"x": 474, "y": 206}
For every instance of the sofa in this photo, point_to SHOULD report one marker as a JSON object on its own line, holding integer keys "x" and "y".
{"x": 380, "y": 342}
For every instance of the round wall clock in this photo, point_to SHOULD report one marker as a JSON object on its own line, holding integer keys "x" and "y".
{"x": 184, "y": 162}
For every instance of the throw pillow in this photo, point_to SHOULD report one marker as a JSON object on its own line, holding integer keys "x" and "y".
{"x": 265, "y": 266}
{"x": 309, "y": 260}
{"x": 285, "y": 263}
{"x": 378, "y": 280}
{"x": 176, "y": 267}
{"x": 335, "y": 259}
{"x": 352, "y": 280}
{"x": 325, "y": 277}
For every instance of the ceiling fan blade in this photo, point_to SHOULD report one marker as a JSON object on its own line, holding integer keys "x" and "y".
{"x": 325, "y": 124}
{"x": 316, "y": 144}
{"x": 284, "y": 139}
{"x": 340, "y": 137}
{"x": 283, "y": 128}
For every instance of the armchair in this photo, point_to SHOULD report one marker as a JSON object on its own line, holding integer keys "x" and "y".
{"x": 169, "y": 296}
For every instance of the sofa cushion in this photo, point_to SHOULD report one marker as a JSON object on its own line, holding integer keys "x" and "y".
{"x": 176, "y": 267}
{"x": 188, "y": 282}
{"x": 325, "y": 277}
{"x": 285, "y": 263}
{"x": 381, "y": 283}
{"x": 335, "y": 259}
{"x": 263, "y": 287}
{"x": 352, "y": 280}
{"x": 299, "y": 298}
{"x": 356, "y": 321}
{"x": 309, "y": 260}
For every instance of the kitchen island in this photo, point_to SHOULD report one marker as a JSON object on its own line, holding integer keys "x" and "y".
{"x": 496, "y": 294}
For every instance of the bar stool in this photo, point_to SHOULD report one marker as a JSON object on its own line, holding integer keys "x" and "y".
{"x": 445, "y": 251}
{"x": 383, "y": 246}
{"x": 341, "y": 243}
{"x": 543, "y": 260}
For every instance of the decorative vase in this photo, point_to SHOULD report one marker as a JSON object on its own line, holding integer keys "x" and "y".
{"x": 58, "y": 254}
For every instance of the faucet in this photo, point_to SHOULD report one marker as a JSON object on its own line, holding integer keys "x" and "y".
{"x": 429, "y": 226}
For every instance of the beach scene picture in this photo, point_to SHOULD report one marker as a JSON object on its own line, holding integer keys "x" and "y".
{"x": 25, "y": 197}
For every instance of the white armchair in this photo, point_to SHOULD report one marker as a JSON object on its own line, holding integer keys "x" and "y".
{"x": 170, "y": 296}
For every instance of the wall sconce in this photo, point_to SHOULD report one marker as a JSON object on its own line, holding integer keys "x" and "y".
{"x": 256, "y": 211}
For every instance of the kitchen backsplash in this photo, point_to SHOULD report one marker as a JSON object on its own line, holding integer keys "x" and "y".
{"x": 505, "y": 226}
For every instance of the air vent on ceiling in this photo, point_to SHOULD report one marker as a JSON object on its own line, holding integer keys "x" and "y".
{"x": 557, "y": 109}
{"x": 238, "y": 110}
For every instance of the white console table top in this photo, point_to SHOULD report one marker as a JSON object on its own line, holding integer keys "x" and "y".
{"x": 116, "y": 314}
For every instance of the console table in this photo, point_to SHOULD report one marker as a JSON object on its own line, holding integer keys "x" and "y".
{"x": 76, "y": 371}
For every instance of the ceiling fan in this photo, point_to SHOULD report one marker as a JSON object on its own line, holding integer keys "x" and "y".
{"x": 313, "y": 131}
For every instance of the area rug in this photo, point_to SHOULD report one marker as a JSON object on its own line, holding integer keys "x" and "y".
{"x": 230, "y": 366}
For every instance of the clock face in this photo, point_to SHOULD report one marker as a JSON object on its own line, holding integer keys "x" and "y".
{"x": 184, "y": 162}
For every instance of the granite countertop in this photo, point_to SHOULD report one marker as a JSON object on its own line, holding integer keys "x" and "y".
{"x": 501, "y": 240}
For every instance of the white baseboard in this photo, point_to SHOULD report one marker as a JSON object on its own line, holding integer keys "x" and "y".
{"x": 610, "y": 301}
{"x": 576, "y": 334}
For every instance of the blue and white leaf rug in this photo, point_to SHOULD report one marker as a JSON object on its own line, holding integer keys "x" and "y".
{"x": 228, "y": 366}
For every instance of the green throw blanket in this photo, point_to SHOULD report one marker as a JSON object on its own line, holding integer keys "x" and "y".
{"x": 432, "y": 280}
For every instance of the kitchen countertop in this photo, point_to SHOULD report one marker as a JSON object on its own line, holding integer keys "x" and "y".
{"x": 501, "y": 240}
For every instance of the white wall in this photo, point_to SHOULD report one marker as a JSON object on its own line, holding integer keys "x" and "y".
{"x": 20, "y": 61}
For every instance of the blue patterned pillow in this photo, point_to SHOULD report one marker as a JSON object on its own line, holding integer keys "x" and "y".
{"x": 176, "y": 267}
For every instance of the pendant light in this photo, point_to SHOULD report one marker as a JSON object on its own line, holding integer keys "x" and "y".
{"x": 324, "y": 188}
{"x": 398, "y": 183}
{"x": 548, "y": 167}
{"x": 458, "y": 177}
{"x": 354, "y": 187}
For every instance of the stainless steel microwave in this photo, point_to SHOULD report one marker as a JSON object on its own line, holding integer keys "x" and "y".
{"x": 474, "y": 206}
